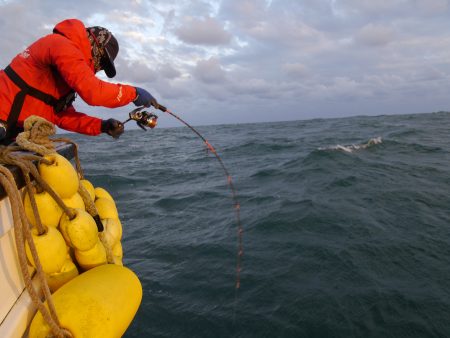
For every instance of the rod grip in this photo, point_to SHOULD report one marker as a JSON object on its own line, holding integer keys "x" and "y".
{"x": 162, "y": 108}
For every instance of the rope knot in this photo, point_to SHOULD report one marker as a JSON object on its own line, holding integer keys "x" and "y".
{"x": 35, "y": 136}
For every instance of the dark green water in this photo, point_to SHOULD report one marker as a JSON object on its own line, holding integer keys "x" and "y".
{"x": 338, "y": 242}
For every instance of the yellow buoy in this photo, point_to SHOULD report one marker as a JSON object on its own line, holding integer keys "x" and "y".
{"x": 60, "y": 175}
{"x": 100, "y": 303}
{"x": 102, "y": 193}
{"x": 112, "y": 231}
{"x": 117, "y": 253}
{"x": 49, "y": 211}
{"x": 81, "y": 232}
{"x": 67, "y": 273}
{"x": 51, "y": 249}
{"x": 106, "y": 208}
{"x": 117, "y": 250}
{"x": 117, "y": 260}
{"x": 75, "y": 202}
{"x": 93, "y": 257}
{"x": 89, "y": 187}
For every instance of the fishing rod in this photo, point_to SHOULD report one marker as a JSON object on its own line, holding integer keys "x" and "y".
{"x": 146, "y": 120}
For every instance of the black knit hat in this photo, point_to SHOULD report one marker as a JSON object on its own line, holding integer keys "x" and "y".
{"x": 104, "y": 38}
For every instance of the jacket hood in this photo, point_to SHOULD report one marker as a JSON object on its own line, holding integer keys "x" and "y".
{"x": 75, "y": 31}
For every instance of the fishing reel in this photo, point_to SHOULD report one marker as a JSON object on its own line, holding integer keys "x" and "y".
{"x": 143, "y": 118}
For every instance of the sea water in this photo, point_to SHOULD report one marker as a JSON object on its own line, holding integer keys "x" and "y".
{"x": 346, "y": 226}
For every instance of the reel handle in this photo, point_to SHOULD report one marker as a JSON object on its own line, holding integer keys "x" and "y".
{"x": 141, "y": 125}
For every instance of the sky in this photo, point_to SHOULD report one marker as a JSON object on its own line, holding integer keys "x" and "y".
{"x": 245, "y": 61}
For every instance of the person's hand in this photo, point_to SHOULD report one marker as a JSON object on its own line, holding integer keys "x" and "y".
{"x": 112, "y": 127}
{"x": 144, "y": 98}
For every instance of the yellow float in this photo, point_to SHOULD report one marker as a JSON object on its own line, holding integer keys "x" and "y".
{"x": 117, "y": 251}
{"x": 99, "y": 303}
{"x": 89, "y": 187}
{"x": 49, "y": 211}
{"x": 80, "y": 232}
{"x": 102, "y": 300}
{"x": 51, "y": 249}
{"x": 75, "y": 201}
{"x": 112, "y": 231}
{"x": 92, "y": 293}
{"x": 106, "y": 208}
{"x": 93, "y": 257}
{"x": 60, "y": 175}
{"x": 102, "y": 193}
{"x": 58, "y": 279}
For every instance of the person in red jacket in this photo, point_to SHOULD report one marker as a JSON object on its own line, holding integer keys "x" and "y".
{"x": 44, "y": 79}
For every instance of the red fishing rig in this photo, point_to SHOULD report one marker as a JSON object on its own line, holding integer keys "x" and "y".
{"x": 145, "y": 120}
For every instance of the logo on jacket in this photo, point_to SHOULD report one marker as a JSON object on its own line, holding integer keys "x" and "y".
{"x": 25, "y": 54}
{"x": 119, "y": 95}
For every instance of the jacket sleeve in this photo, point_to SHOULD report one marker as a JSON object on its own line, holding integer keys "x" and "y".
{"x": 72, "y": 120}
{"x": 73, "y": 67}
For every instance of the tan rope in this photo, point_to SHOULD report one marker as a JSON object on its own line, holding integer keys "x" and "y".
{"x": 92, "y": 210}
{"x": 77, "y": 158}
{"x": 22, "y": 232}
{"x": 7, "y": 156}
{"x": 6, "y": 159}
{"x": 35, "y": 139}
{"x": 68, "y": 211}
{"x": 26, "y": 174}
{"x": 88, "y": 202}
{"x": 108, "y": 249}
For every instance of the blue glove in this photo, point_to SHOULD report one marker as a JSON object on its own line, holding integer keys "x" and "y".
{"x": 144, "y": 98}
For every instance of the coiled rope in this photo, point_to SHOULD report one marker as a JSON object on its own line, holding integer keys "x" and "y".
{"x": 34, "y": 138}
{"x": 22, "y": 233}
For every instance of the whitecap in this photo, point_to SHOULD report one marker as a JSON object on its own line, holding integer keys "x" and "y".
{"x": 351, "y": 148}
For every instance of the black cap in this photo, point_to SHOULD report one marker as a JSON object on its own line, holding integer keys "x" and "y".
{"x": 105, "y": 39}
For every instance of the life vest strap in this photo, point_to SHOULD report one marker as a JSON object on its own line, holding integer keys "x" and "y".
{"x": 36, "y": 93}
{"x": 19, "y": 99}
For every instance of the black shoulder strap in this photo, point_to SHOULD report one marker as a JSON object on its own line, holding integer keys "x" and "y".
{"x": 19, "y": 99}
{"x": 19, "y": 82}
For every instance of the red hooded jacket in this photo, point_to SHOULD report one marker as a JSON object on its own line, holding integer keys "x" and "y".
{"x": 56, "y": 64}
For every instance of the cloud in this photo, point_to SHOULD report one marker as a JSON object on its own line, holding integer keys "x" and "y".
{"x": 433, "y": 7}
{"x": 370, "y": 7}
{"x": 254, "y": 87}
{"x": 341, "y": 87}
{"x": 173, "y": 90}
{"x": 204, "y": 31}
{"x": 137, "y": 72}
{"x": 374, "y": 35}
{"x": 245, "y": 13}
{"x": 209, "y": 71}
{"x": 295, "y": 70}
{"x": 169, "y": 72}
{"x": 206, "y": 56}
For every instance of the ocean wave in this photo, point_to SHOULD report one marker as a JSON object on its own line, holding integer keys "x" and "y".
{"x": 351, "y": 148}
{"x": 354, "y": 232}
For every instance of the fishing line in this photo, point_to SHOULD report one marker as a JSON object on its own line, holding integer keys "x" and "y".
{"x": 145, "y": 119}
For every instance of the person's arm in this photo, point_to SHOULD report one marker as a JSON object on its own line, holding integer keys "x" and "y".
{"x": 72, "y": 120}
{"x": 72, "y": 66}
